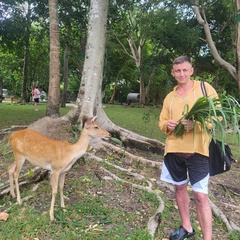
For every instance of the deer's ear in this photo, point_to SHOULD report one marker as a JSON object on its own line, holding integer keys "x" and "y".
{"x": 88, "y": 123}
{"x": 94, "y": 118}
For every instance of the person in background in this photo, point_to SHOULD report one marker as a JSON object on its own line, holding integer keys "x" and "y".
{"x": 36, "y": 97}
{"x": 33, "y": 93}
{"x": 186, "y": 158}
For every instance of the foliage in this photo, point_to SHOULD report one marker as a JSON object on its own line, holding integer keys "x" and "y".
{"x": 10, "y": 71}
{"x": 169, "y": 29}
{"x": 219, "y": 112}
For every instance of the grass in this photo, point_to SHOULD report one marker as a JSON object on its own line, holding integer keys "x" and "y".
{"x": 22, "y": 114}
{"x": 143, "y": 121}
{"x": 88, "y": 216}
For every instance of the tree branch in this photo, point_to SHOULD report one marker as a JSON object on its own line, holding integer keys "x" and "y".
{"x": 202, "y": 20}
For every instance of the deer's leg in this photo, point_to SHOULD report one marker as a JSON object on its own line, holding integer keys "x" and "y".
{"x": 19, "y": 163}
{"x": 55, "y": 177}
{"x": 61, "y": 185}
{"x": 11, "y": 170}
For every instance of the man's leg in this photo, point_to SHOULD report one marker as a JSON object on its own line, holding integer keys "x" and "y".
{"x": 183, "y": 201}
{"x": 204, "y": 213}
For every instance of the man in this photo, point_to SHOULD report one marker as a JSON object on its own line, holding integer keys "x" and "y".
{"x": 187, "y": 156}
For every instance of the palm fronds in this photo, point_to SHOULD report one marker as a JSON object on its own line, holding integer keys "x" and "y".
{"x": 214, "y": 112}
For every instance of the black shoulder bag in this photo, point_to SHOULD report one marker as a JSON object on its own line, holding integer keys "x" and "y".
{"x": 220, "y": 161}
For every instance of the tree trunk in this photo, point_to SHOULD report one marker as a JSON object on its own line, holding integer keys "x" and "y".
{"x": 25, "y": 72}
{"x": 65, "y": 77}
{"x": 238, "y": 45}
{"x": 137, "y": 56}
{"x": 148, "y": 88}
{"x": 89, "y": 101}
{"x": 54, "y": 66}
{"x": 142, "y": 99}
{"x": 25, "y": 96}
{"x": 1, "y": 89}
{"x": 111, "y": 101}
{"x": 89, "y": 96}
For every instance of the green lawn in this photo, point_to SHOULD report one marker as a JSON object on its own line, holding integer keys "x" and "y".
{"x": 14, "y": 114}
{"x": 143, "y": 121}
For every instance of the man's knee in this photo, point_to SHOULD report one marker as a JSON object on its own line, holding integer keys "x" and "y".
{"x": 200, "y": 198}
{"x": 181, "y": 189}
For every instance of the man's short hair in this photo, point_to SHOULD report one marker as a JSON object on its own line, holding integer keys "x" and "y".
{"x": 182, "y": 59}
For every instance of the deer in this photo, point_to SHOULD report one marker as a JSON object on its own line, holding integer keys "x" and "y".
{"x": 55, "y": 155}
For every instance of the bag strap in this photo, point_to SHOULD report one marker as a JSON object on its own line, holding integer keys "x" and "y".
{"x": 203, "y": 89}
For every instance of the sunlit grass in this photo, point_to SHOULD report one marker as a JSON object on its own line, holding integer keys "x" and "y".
{"x": 143, "y": 121}
{"x": 16, "y": 114}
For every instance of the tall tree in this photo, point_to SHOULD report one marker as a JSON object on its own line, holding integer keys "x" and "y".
{"x": 54, "y": 66}
{"x": 133, "y": 36}
{"x": 89, "y": 100}
{"x": 26, "y": 53}
{"x": 89, "y": 97}
{"x": 200, "y": 12}
{"x": 1, "y": 88}
{"x": 65, "y": 77}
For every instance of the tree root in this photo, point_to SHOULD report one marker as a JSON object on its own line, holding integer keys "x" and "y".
{"x": 217, "y": 212}
{"x": 227, "y": 187}
{"x": 129, "y": 158}
{"x": 154, "y": 220}
{"x": 38, "y": 175}
{"x": 129, "y": 138}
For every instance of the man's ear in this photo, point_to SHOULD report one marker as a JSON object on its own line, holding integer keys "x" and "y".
{"x": 192, "y": 71}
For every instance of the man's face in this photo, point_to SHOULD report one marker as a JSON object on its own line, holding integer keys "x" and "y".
{"x": 182, "y": 72}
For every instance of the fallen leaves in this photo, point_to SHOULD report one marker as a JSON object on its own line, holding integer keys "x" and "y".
{"x": 4, "y": 216}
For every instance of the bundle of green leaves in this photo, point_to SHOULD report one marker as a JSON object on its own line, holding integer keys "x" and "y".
{"x": 217, "y": 112}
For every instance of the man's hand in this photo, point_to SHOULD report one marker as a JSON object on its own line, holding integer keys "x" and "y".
{"x": 188, "y": 124}
{"x": 171, "y": 124}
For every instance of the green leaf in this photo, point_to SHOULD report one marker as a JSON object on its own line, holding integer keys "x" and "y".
{"x": 236, "y": 19}
{"x": 220, "y": 112}
{"x": 116, "y": 140}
